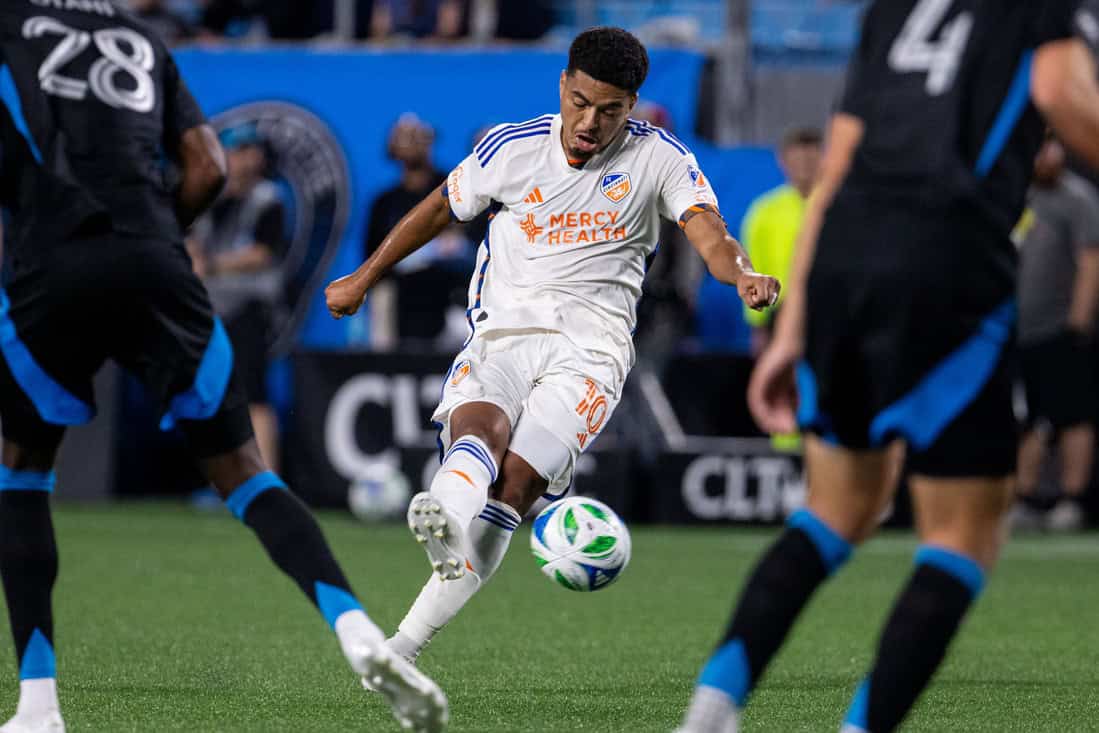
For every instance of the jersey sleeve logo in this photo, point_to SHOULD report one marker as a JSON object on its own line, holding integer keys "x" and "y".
{"x": 697, "y": 178}
{"x": 616, "y": 186}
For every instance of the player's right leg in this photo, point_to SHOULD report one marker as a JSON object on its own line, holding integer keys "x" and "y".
{"x": 183, "y": 354}
{"x": 848, "y": 491}
{"x": 448, "y": 520}
{"x": 295, "y": 543}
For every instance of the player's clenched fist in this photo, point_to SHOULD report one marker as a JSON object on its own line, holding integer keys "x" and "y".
{"x": 758, "y": 291}
{"x": 344, "y": 296}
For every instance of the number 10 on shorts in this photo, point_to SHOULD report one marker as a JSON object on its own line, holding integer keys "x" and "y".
{"x": 593, "y": 408}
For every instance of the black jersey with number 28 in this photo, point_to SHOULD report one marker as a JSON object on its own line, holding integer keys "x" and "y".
{"x": 944, "y": 89}
{"x": 94, "y": 109}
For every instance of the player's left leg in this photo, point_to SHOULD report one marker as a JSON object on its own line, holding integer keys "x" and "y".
{"x": 848, "y": 492}
{"x": 487, "y": 541}
{"x": 28, "y": 564}
{"x": 962, "y": 489}
{"x": 961, "y": 527}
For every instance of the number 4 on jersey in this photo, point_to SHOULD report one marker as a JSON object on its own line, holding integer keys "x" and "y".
{"x": 914, "y": 49}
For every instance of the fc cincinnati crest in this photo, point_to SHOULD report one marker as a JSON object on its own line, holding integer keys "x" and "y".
{"x": 616, "y": 186}
{"x": 461, "y": 371}
{"x": 308, "y": 165}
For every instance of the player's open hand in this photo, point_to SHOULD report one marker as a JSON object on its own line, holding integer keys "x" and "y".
{"x": 758, "y": 291}
{"x": 772, "y": 391}
{"x": 344, "y": 296}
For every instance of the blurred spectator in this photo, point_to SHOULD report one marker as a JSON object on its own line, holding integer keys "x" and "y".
{"x": 437, "y": 19}
{"x": 172, "y": 27}
{"x": 773, "y": 220}
{"x": 236, "y": 249}
{"x": 672, "y": 277}
{"x": 282, "y": 19}
{"x": 524, "y": 20}
{"x": 1058, "y": 294}
{"x": 410, "y": 310}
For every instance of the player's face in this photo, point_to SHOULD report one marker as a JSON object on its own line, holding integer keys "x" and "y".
{"x": 592, "y": 114}
{"x": 801, "y": 164}
{"x": 1049, "y": 163}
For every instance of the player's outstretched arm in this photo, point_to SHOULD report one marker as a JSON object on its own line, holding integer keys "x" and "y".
{"x": 1064, "y": 87}
{"x": 203, "y": 163}
{"x": 726, "y": 259}
{"x": 418, "y": 227}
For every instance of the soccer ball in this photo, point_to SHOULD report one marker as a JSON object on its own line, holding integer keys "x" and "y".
{"x": 380, "y": 492}
{"x": 580, "y": 543}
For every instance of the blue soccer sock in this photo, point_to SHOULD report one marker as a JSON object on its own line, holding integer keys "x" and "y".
{"x": 924, "y": 620}
{"x": 28, "y": 565}
{"x": 783, "y": 582}
{"x": 294, "y": 542}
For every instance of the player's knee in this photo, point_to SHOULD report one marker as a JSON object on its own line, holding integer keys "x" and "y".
{"x": 30, "y": 457}
{"x": 229, "y": 470}
{"x": 485, "y": 422}
{"x": 855, "y": 524}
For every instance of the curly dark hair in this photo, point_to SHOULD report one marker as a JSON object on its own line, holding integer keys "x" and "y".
{"x": 610, "y": 55}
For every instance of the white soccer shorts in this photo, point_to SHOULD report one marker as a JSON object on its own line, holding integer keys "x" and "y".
{"x": 557, "y": 397}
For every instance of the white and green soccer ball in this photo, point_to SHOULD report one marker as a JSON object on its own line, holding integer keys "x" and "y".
{"x": 580, "y": 543}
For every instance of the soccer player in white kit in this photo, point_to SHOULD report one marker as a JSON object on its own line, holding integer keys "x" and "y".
{"x": 576, "y": 199}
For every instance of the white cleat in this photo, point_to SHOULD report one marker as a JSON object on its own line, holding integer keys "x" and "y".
{"x": 416, "y": 701}
{"x": 710, "y": 711}
{"x": 367, "y": 685}
{"x": 441, "y": 536}
{"x": 43, "y": 723}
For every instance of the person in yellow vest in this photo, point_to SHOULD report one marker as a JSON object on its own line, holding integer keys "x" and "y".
{"x": 770, "y": 227}
{"x": 773, "y": 219}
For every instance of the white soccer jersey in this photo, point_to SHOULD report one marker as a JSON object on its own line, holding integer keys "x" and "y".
{"x": 566, "y": 249}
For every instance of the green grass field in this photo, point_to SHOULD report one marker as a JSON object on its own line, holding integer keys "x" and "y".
{"x": 171, "y": 620}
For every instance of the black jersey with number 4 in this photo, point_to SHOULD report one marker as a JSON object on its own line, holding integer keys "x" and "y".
{"x": 944, "y": 89}
{"x": 94, "y": 109}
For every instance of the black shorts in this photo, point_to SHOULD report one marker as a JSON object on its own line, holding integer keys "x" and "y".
{"x": 1058, "y": 380}
{"x": 910, "y": 335}
{"x": 249, "y": 331}
{"x": 130, "y": 299}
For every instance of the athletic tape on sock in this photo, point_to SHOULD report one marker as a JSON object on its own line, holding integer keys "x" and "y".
{"x": 728, "y": 671}
{"x": 247, "y": 492}
{"x": 26, "y": 480}
{"x": 38, "y": 660}
{"x": 858, "y": 713}
{"x": 833, "y": 549}
{"x": 965, "y": 569}
{"x": 334, "y": 602}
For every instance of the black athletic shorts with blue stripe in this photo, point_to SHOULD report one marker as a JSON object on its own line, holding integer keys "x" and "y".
{"x": 127, "y": 298}
{"x": 910, "y": 334}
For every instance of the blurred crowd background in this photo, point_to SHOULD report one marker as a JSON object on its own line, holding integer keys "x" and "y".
{"x": 340, "y": 115}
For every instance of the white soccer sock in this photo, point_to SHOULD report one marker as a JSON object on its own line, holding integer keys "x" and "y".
{"x": 489, "y": 536}
{"x": 441, "y": 600}
{"x": 462, "y": 482}
{"x": 37, "y": 697}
